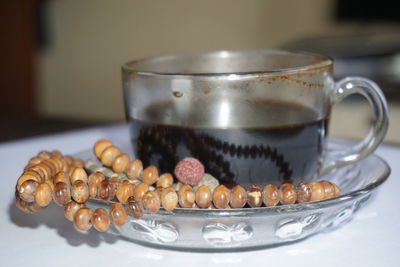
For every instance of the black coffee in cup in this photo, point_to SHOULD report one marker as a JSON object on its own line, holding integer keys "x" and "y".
{"x": 238, "y": 141}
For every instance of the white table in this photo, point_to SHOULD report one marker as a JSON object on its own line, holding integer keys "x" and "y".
{"x": 371, "y": 238}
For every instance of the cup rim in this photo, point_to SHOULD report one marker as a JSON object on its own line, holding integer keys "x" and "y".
{"x": 322, "y": 63}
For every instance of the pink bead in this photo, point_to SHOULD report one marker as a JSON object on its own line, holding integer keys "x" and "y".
{"x": 189, "y": 171}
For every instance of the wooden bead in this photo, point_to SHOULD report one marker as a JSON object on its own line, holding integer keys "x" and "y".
{"x": 105, "y": 190}
{"x": 35, "y": 160}
{"x": 100, "y": 220}
{"x": 27, "y": 207}
{"x": 140, "y": 190}
{"x": 79, "y": 174}
{"x": 62, "y": 177}
{"x": 329, "y": 189}
{"x": 336, "y": 190}
{"x": 186, "y": 196}
{"x": 254, "y": 196}
{"x": 55, "y": 163}
{"x": 169, "y": 198}
{"x": 287, "y": 194}
{"x": 43, "y": 195}
{"x": 109, "y": 154}
{"x": 134, "y": 169}
{"x": 79, "y": 191}
{"x": 270, "y": 195}
{"x": 71, "y": 208}
{"x": 158, "y": 191}
{"x": 62, "y": 193}
{"x": 317, "y": 191}
{"x": 120, "y": 163}
{"x": 134, "y": 208}
{"x": 203, "y": 197}
{"x": 118, "y": 214}
{"x": 115, "y": 184}
{"x": 150, "y": 175}
{"x": 27, "y": 190}
{"x": 50, "y": 168}
{"x": 29, "y": 175}
{"x": 56, "y": 154}
{"x": 68, "y": 159}
{"x": 78, "y": 163}
{"x": 83, "y": 219}
{"x": 303, "y": 193}
{"x": 94, "y": 181}
{"x": 43, "y": 170}
{"x": 44, "y": 154}
{"x": 151, "y": 202}
{"x": 165, "y": 180}
{"x": 125, "y": 191}
{"x": 238, "y": 197}
{"x": 100, "y": 146}
{"x": 221, "y": 197}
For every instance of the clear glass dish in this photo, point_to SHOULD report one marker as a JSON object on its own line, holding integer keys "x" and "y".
{"x": 248, "y": 228}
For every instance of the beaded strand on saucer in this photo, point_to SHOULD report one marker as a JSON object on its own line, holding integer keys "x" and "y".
{"x": 132, "y": 189}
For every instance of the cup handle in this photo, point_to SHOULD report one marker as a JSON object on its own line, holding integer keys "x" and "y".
{"x": 371, "y": 91}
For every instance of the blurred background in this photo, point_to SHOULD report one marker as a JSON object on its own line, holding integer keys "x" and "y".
{"x": 61, "y": 59}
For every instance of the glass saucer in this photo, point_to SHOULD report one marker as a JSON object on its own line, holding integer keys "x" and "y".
{"x": 247, "y": 228}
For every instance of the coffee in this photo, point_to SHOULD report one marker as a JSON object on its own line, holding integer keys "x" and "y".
{"x": 280, "y": 141}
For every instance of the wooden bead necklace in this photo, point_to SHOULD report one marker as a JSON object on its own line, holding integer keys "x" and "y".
{"x": 51, "y": 176}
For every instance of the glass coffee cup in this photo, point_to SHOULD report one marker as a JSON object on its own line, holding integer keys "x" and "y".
{"x": 251, "y": 117}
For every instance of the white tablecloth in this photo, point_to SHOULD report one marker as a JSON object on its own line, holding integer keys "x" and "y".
{"x": 371, "y": 238}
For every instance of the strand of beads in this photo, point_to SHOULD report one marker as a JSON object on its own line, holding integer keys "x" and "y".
{"x": 52, "y": 176}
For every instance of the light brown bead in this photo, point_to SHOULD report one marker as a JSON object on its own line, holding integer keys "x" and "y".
{"x": 94, "y": 181}
{"x": 303, "y": 193}
{"x": 27, "y": 190}
{"x": 158, "y": 191}
{"x": 254, "y": 196}
{"x": 35, "y": 160}
{"x": 165, "y": 180}
{"x": 78, "y": 163}
{"x": 29, "y": 175}
{"x": 62, "y": 193}
{"x": 62, "y": 177}
{"x": 115, "y": 184}
{"x": 50, "y": 183}
{"x": 287, "y": 194}
{"x": 83, "y": 219}
{"x": 44, "y": 154}
{"x": 100, "y": 146}
{"x": 169, "y": 198}
{"x": 43, "y": 194}
{"x": 151, "y": 202}
{"x": 238, "y": 197}
{"x": 140, "y": 190}
{"x": 270, "y": 195}
{"x": 203, "y": 197}
{"x": 329, "y": 189}
{"x": 125, "y": 191}
{"x": 134, "y": 208}
{"x": 79, "y": 191}
{"x": 71, "y": 208}
{"x": 118, "y": 214}
{"x": 39, "y": 171}
{"x": 317, "y": 191}
{"x": 105, "y": 190}
{"x": 55, "y": 163}
{"x": 50, "y": 168}
{"x": 109, "y": 154}
{"x": 79, "y": 174}
{"x": 100, "y": 220}
{"x": 56, "y": 154}
{"x": 120, "y": 163}
{"x": 336, "y": 190}
{"x": 68, "y": 159}
{"x": 27, "y": 207}
{"x": 134, "y": 169}
{"x": 221, "y": 197}
{"x": 150, "y": 175}
{"x": 186, "y": 196}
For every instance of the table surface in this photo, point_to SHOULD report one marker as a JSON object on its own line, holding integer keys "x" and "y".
{"x": 371, "y": 238}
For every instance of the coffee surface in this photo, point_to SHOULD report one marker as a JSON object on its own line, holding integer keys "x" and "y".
{"x": 239, "y": 142}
